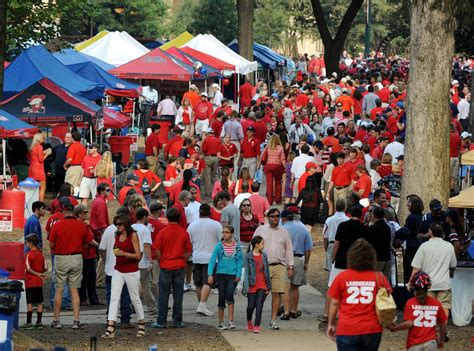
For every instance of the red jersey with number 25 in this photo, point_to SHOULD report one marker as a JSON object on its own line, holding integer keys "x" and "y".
{"x": 356, "y": 293}
{"x": 424, "y": 319}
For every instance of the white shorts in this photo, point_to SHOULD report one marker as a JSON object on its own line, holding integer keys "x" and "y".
{"x": 333, "y": 274}
{"x": 88, "y": 187}
{"x": 202, "y": 125}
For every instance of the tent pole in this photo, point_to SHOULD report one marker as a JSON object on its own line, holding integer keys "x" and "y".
{"x": 4, "y": 156}
{"x": 90, "y": 132}
{"x": 100, "y": 140}
{"x": 269, "y": 87}
{"x": 237, "y": 88}
{"x": 205, "y": 85}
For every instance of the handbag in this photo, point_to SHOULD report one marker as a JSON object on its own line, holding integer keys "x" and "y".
{"x": 264, "y": 158}
{"x": 385, "y": 306}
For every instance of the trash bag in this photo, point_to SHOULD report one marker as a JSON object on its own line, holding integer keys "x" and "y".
{"x": 7, "y": 303}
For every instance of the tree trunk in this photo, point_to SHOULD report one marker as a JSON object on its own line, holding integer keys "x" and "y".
{"x": 3, "y": 37}
{"x": 471, "y": 108}
{"x": 245, "y": 9}
{"x": 426, "y": 171}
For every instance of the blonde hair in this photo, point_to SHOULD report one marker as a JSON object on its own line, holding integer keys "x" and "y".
{"x": 36, "y": 140}
{"x": 186, "y": 99}
{"x": 105, "y": 165}
{"x": 291, "y": 157}
{"x": 274, "y": 142}
{"x": 387, "y": 158}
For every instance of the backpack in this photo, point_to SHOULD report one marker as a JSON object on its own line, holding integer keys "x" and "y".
{"x": 146, "y": 189}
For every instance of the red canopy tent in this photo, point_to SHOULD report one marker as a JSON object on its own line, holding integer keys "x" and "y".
{"x": 115, "y": 119}
{"x": 156, "y": 64}
{"x": 208, "y": 59}
{"x": 179, "y": 55}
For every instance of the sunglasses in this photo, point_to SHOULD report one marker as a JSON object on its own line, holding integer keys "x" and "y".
{"x": 107, "y": 190}
{"x": 118, "y": 224}
{"x": 274, "y": 216}
{"x": 85, "y": 212}
{"x": 245, "y": 205}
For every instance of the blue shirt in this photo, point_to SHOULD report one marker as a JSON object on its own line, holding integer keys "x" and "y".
{"x": 33, "y": 226}
{"x": 300, "y": 237}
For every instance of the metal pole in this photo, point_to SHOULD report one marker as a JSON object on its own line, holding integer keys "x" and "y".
{"x": 367, "y": 29}
{"x": 4, "y": 156}
{"x": 237, "y": 88}
{"x": 90, "y": 132}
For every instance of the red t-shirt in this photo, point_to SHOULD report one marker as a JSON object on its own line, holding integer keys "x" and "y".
{"x": 333, "y": 143}
{"x": 89, "y": 251}
{"x": 69, "y": 236}
{"x": 260, "y": 282}
{"x": 385, "y": 170}
{"x": 99, "y": 213}
{"x": 76, "y": 153}
{"x": 123, "y": 193}
{"x": 151, "y": 142}
{"x": 203, "y": 110}
{"x": 56, "y": 206}
{"x": 172, "y": 241}
{"x": 227, "y": 151}
{"x": 211, "y": 146}
{"x": 215, "y": 215}
{"x": 424, "y": 319}
{"x": 356, "y": 292}
{"x": 124, "y": 264}
{"x": 260, "y": 205}
{"x": 376, "y": 111}
{"x": 353, "y": 165}
{"x": 342, "y": 175}
{"x": 88, "y": 165}
{"x": 454, "y": 144}
{"x": 148, "y": 175}
{"x": 155, "y": 225}
{"x": 183, "y": 222}
{"x": 250, "y": 147}
{"x": 35, "y": 261}
{"x": 53, "y": 220}
{"x": 260, "y": 131}
{"x": 365, "y": 183}
{"x": 302, "y": 100}
{"x": 170, "y": 173}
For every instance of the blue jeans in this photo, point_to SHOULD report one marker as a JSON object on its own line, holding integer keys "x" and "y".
{"x": 66, "y": 303}
{"x": 125, "y": 302}
{"x": 366, "y": 342}
{"x": 171, "y": 279}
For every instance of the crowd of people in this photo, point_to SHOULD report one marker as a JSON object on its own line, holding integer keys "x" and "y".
{"x": 327, "y": 149}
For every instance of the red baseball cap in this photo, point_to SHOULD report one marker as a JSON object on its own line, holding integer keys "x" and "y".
{"x": 310, "y": 165}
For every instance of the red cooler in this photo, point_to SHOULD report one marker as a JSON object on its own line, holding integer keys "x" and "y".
{"x": 122, "y": 144}
{"x": 12, "y": 260}
{"x": 15, "y": 200}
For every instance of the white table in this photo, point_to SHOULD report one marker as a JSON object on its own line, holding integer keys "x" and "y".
{"x": 463, "y": 294}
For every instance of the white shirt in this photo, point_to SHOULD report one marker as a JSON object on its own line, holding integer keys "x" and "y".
{"x": 436, "y": 257}
{"x": 107, "y": 244}
{"x": 332, "y": 223}
{"x": 167, "y": 107}
{"x": 375, "y": 176}
{"x": 299, "y": 164}
{"x": 395, "y": 149}
{"x": 295, "y": 132}
{"x": 217, "y": 99}
{"x": 204, "y": 233}
{"x": 150, "y": 93}
{"x": 463, "y": 107}
{"x": 327, "y": 122}
{"x": 144, "y": 236}
{"x": 367, "y": 159}
{"x": 179, "y": 115}
{"x": 241, "y": 197}
{"x": 192, "y": 211}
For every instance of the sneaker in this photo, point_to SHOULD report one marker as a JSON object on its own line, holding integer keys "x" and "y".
{"x": 232, "y": 326}
{"x": 323, "y": 319}
{"x": 281, "y": 310}
{"x": 256, "y": 329}
{"x": 274, "y": 325}
{"x": 76, "y": 325}
{"x": 179, "y": 325}
{"x": 222, "y": 326}
{"x": 55, "y": 325}
{"x": 158, "y": 326}
{"x": 27, "y": 326}
{"x": 204, "y": 311}
{"x": 39, "y": 326}
{"x": 285, "y": 317}
{"x": 186, "y": 287}
{"x": 192, "y": 287}
{"x": 250, "y": 326}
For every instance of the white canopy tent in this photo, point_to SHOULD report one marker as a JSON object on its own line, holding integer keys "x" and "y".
{"x": 116, "y": 48}
{"x": 209, "y": 44}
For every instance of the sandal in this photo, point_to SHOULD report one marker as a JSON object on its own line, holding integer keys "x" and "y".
{"x": 285, "y": 317}
{"x": 295, "y": 315}
{"x": 141, "y": 330}
{"x": 109, "y": 332}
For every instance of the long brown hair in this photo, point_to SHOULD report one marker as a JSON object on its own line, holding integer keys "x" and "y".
{"x": 361, "y": 256}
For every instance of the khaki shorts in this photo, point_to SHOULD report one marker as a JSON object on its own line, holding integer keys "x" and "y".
{"x": 299, "y": 275}
{"x": 443, "y": 296}
{"x": 431, "y": 345}
{"x": 329, "y": 258}
{"x": 454, "y": 166}
{"x": 341, "y": 193}
{"x": 68, "y": 269}
{"x": 74, "y": 176}
{"x": 279, "y": 278}
{"x": 295, "y": 187}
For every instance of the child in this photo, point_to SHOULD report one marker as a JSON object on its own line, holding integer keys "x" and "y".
{"x": 228, "y": 255}
{"x": 35, "y": 275}
{"x": 257, "y": 283}
{"x": 288, "y": 187}
{"x": 146, "y": 178}
{"x": 422, "y": 312}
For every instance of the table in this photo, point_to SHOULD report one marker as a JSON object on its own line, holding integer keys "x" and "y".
{"x": 462, "y": 286}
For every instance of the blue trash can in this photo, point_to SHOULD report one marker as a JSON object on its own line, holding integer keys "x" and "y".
{"x": 10, "y": 293}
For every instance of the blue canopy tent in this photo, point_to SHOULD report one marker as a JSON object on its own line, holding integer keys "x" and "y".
{"x": 113, "y": 85}
{"x": 36, "y": 63}
{"x": 72, "y": 57}
{"x": 263, "y": 55}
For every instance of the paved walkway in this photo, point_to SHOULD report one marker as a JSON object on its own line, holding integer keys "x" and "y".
{"x": 302, "y": 333}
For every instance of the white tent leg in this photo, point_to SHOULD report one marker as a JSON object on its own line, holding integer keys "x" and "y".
{"x": 4, "y": 156}
{"x": 90, "y": 132}
{"x": 237, "y": 90}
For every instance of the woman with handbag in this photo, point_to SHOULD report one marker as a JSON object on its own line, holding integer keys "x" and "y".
{"x": 227, "y": 255}
{"x": 273, "y": 161}
{"x": 353, "y": 296}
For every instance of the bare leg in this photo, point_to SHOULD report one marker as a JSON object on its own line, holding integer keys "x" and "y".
{"x": 76, "y": 303}
{"x": 230, "y": 312}
{"x": 294, "y": 298}
{"x": 276, "y": 298}
{"x": 204, "y": 293}
{"x": 220, "y": 312}
{"x": 198, "y": 292}
{"x": 286, "y": 300}
{"x": 58, "y": 297}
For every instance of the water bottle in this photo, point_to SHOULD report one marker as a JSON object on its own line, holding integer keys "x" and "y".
{"x": 153, "y": 348}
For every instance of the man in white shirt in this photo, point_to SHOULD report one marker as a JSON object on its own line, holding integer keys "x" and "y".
{"x": 395, "y": 148}
{"x": 330, "y": 229}
{"x": 298, "y": 167}
{"x": 463, "y": 107}
{"x": 167, "y": 109}
{"x": 192, "y": 210}
{"x": 218, "y": 97}
{"x": 146, "y": 279}
{"x": 150, "y": 94}
{"x": 204, "y": 233}
{"x": 328, "y": 121}
{"x": 297, "y": 130}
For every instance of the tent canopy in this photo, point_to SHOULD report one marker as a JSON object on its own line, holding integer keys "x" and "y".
{"x": 46, "y": 103}
{"x": 208, "y": 59}
{"x": 113, "y": 85}
{"x": 467, "y": 158}
{"x": 262, "y": 54}
{"x": 36, "y": 63}
{"x": 71, "y": 57}
{"x": 187, "y": 61}
{"x": 177, "y": 42}
{"x": 82, "y": 45}
{"x": 465, "y": 199}
{"x": 157, "y": 64}
{"x": 116, "y": 49}
{"x": 115, "y": 119}
{"x": 12, "y": 127}
{"x": 208, "y": 43}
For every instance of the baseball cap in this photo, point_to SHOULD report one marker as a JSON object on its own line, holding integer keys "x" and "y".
{"x": 400, "y": 104}
{"x": 251, "y": 128}
{"x": 286, "y": 214}
{"x": 357, "y": 143}
{"x": 215, "y": 85}
{"x": 93, "y": 145}
{"x": 68, "y": 206}
{"x": 204, "y": 94}
{"x": 210, "y": 131}
{"x": 435, "y": 205}
{"x": 293, "y": 209}
{"x": 132, "y": 176}
{"x": 465, "y": 135}
{"x": 401, "y": 157}
{"x": 454, "y": 82}
{"x": 295, "y": 86}
{"x": 310, "y": 165}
